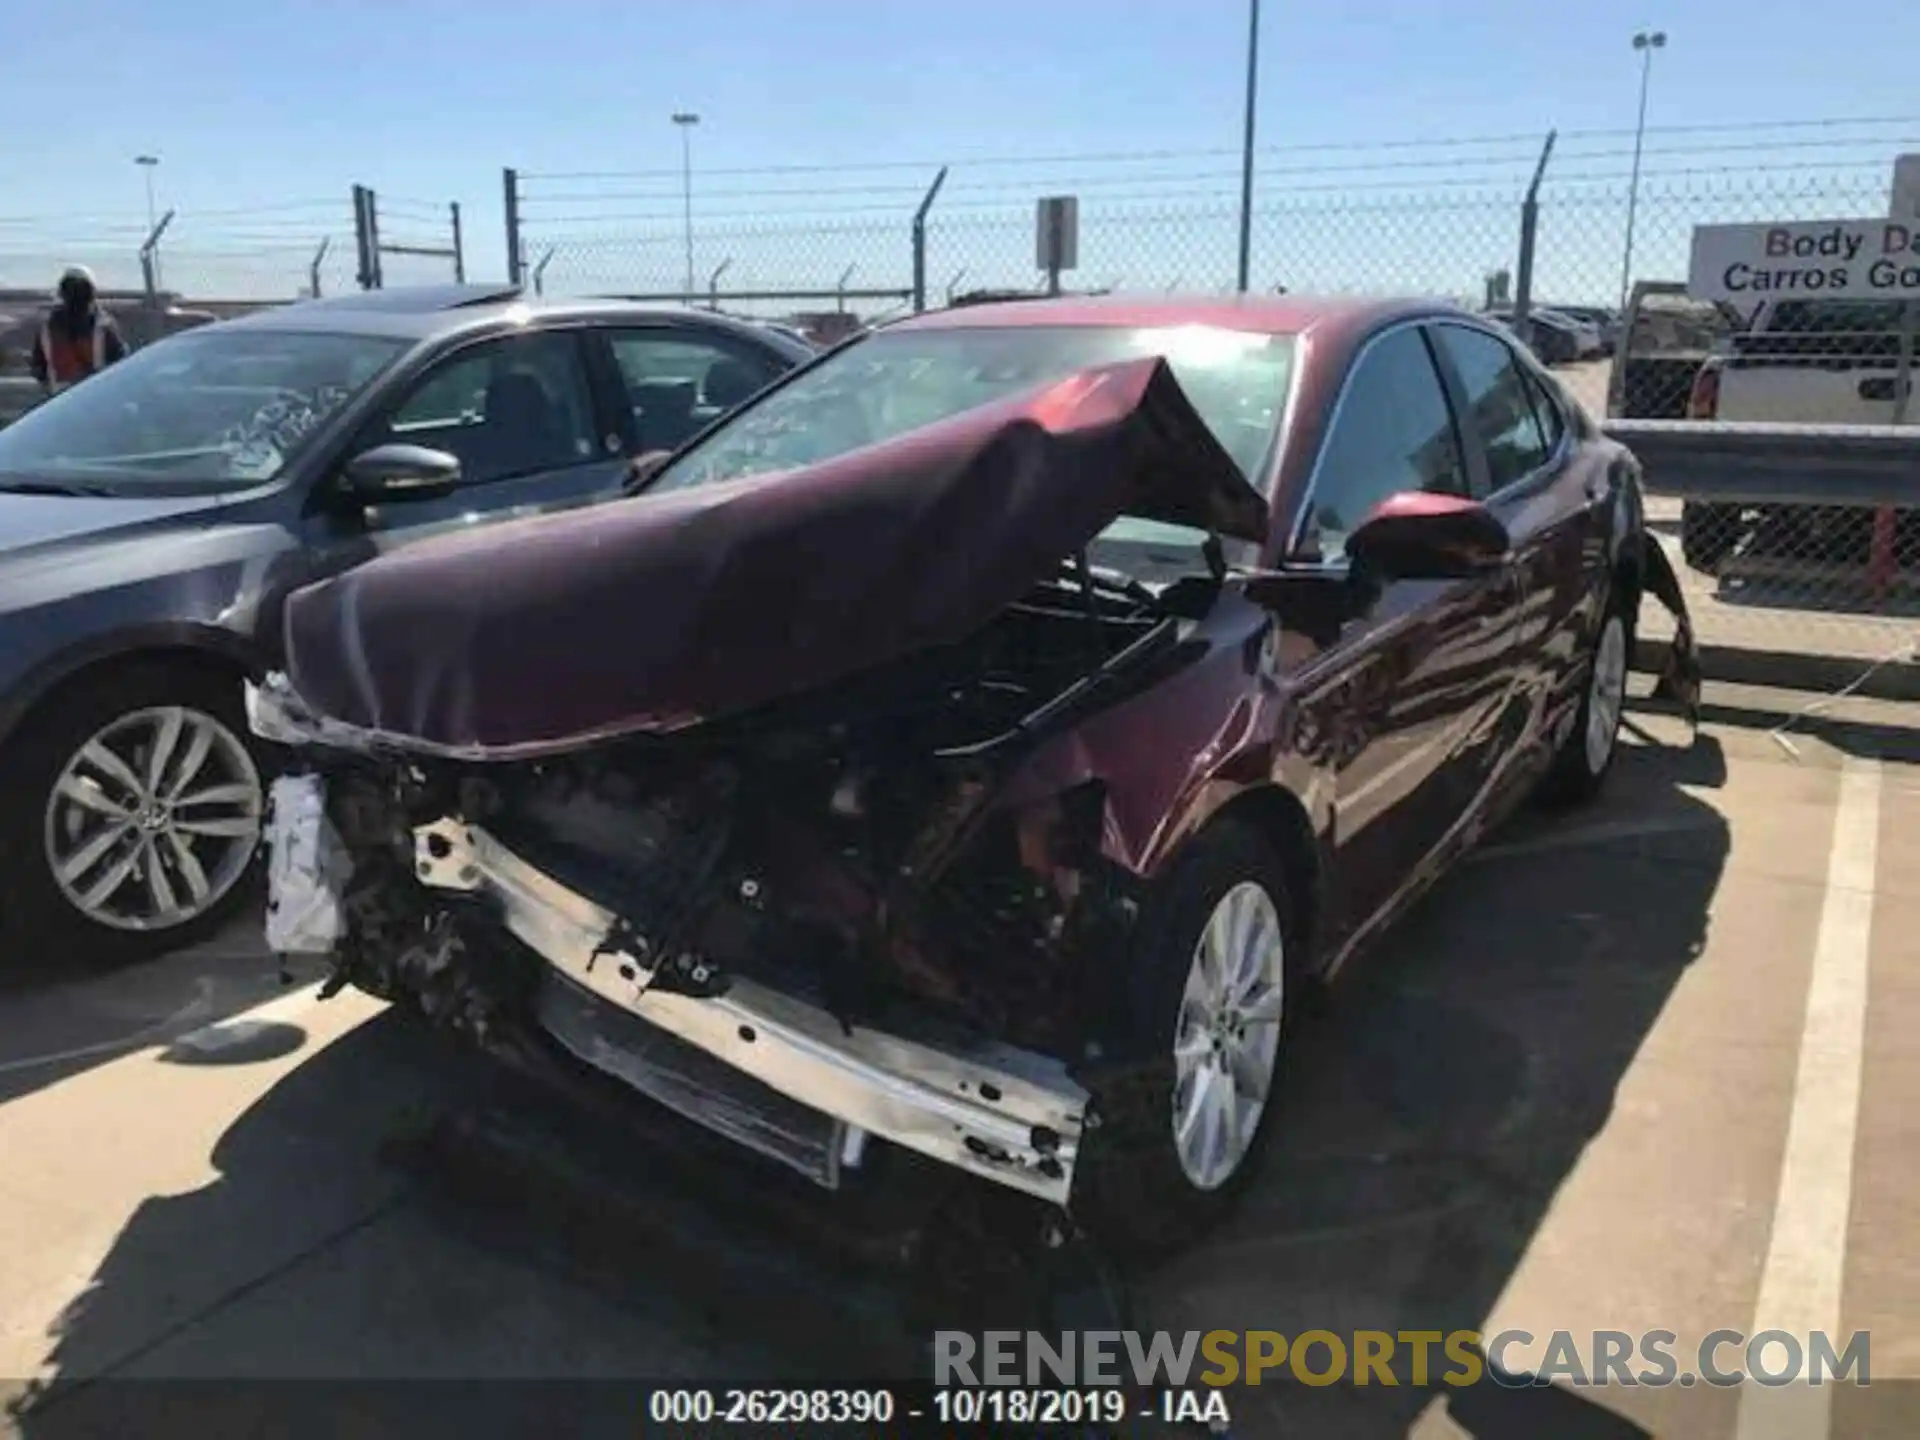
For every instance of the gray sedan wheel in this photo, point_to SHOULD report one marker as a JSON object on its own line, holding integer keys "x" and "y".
{"x": 153, "y": 819}
{"x": 130, "y": 814}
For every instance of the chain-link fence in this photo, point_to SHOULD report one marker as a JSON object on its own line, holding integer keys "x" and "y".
{"x": 1808, "y": 547}
{"x": 1807, "y": 569}
{"x": 1822, "y": 563}
{"x": 269, "y": 253}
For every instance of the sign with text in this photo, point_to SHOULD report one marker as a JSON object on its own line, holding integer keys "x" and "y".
{"x": 1057, "y": 233}
{"x": 1875, "y": 259}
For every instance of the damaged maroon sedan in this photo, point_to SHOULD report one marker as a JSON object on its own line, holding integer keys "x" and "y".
{"x": 973, "y": 746}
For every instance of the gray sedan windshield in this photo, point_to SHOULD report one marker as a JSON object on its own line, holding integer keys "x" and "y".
{"x": 216, "y": 408}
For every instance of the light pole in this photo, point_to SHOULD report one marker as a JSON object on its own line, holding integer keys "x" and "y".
{"x": 1646, "y": 42}
{"x": 686, "y": 120}
{"x": 1246, "y": 144}
{"x": 150, "y": 163}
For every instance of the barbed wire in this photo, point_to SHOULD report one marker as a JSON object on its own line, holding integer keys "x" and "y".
{"x": 806, "y": 223}
{"x": 1532, "y": 138}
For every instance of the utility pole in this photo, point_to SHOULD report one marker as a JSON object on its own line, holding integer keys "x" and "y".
{"x": 1246, "y": 144}
{"x": 1646, "y": 42}
{"x": 686, "y": 120}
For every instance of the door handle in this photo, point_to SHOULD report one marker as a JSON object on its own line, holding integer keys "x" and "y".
{"x": 1877, "y": 387}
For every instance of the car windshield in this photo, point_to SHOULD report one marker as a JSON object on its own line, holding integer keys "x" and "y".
{"x": 210, "y": 409}
{"x": 899, "y": 380}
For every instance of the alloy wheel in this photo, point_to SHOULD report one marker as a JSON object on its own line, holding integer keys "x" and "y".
{"x": 154, "y": 819}
{"x": 1227, "y": 1040}
{"x": 1607, "y": 695}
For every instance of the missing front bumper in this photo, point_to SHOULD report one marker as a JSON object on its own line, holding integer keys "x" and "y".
{"x": 1003, "y": 1114}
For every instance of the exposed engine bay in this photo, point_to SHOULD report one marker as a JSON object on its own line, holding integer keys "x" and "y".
{"x": 822, "y": 903}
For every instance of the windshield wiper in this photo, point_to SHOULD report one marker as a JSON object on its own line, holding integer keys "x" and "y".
{"x": 48, "y": 487}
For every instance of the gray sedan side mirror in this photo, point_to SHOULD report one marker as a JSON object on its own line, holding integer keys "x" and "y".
{"x": 388, "y": 473}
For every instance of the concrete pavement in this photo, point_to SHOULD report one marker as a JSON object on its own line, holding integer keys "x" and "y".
{"x": 1563, "y": 1096}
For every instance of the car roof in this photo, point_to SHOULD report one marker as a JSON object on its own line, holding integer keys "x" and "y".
{"x": 424, "y": 312}
{"x": 1271, "y": 314}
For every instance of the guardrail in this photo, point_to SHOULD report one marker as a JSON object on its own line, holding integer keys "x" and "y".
{"x": 1753, "y": 463}
{"x": 1799, "y": 547}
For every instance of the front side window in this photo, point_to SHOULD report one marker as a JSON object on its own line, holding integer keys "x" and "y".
{"x": 516, "y": 406}
{"x": 213, "y": 409}
{"x": 899, "y": 380}
{"x": 1392, "y": 433}
{"x": 1499, "y": 410}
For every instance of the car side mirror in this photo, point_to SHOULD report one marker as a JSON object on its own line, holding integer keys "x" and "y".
{"x": 388, "y": 473}
{"x": 642, "y": 468}
{"x": 1419, "y": 535}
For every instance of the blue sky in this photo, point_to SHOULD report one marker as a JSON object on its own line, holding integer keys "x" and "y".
{"x": 258, "y": 106}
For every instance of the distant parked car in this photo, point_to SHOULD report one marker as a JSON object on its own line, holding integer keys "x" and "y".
{"x": 1666, "y": 336}
{"x": 152, "y": 516}
{"x": 1554, "y": 339}
{"x": 1604, "y": 322}
{"x": 1803, "y": 362}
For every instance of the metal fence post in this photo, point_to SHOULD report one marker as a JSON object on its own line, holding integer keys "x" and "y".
{"x": 313, "y": 269}
{"x": 459, "y": 247}
{"x": 920, "y": 241}
{"x": 510, "y": 206}
{"x": 362, "y": 241}
{"x": 149, "y": 262}
{"x": 373, "y": 238}
{"x": 1529, "y": 225}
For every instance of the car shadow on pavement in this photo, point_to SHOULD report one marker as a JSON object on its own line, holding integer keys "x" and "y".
{"x": 1436, "y": 1108}
{"x": 1432, "y": 1111}
{"x": 56, "y": 1023}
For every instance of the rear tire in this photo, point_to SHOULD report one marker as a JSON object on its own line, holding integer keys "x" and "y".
{"x": 151, "y": 863}
{"x": 1178, "y": 1140}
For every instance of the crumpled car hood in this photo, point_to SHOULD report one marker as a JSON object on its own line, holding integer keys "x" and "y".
{"x": 661, "y": 611}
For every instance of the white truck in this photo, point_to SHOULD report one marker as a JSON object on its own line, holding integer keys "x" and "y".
{"x": 1800, "y": 361}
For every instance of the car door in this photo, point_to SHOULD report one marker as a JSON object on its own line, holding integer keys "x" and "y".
{"x": 521, "y": 414}
{"x": 572, "y": 454}
{"x": 1408, "y": 690}
{"x": 1534, "y": 478}
{"x": 673, "y": 381}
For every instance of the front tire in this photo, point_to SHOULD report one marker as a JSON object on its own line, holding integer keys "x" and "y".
{"x": 1586, "y": 756}
{"x": 1216, "y": 971}
{"x": 132, "y": 814}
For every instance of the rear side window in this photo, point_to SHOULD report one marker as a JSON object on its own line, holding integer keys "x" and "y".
{"x": 1499, "y": 409}
{"x": 1393, "y": 432}
{"x": 678, "y": 383}
{"x": 1547, "y": 409}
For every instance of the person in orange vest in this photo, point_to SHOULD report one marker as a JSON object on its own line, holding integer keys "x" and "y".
{"x": 77, "y": 338}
